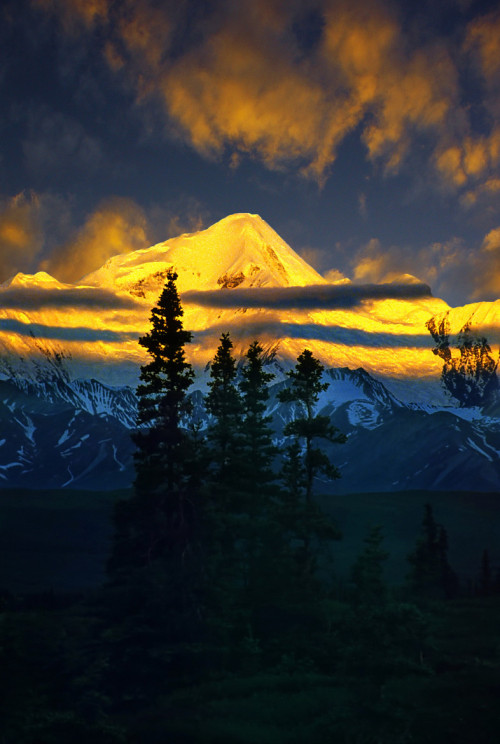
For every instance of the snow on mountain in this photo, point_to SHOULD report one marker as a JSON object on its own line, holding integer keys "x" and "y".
{"x": 241, "y": 250}
{"x": 40, "y": 279}
{"x": 77, "y": 435}
{"x": 59, "y": 434}
{"x": 387, "y": 337}
{"x": 69, "y": 362}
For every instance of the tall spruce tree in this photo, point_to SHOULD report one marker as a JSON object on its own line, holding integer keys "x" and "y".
{"x": 156, "y": 594}
{"x": 223, "y": 402}
{"x": 257, "y": 448}
{"x": 227, "y": 522}
{"x": 301, "y": 518}
{"x": 305, "y": 388}
{"x": 159, "y": 518}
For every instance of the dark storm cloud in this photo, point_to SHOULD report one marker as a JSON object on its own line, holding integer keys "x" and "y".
{"x": 319, "y": 297}
{"x": 38, "y": 299}
{"x": 38, "y": 330}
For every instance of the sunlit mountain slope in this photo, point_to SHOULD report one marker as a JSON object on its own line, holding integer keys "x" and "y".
{"x": 93, "y": 326}
{"x": 240, "y": 250}
{"x": 69, "y": 361}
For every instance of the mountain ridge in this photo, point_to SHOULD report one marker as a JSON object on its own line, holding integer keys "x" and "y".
{"x": 412, "y": 382}
{"x": 97, "y": 338}
{"x": 76, "y": 434}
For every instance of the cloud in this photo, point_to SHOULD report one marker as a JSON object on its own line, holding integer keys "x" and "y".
{"x": 487, "y": 276}
{"x": 335, "y": 276}
{"x": 117, "y": 226}
{"x": 471, "y": 158}
{"x": 33, "y": 298}
{"x": 306, "y": 298}
{"x": 37, "y": 232}
{"x": 76, "y": 13}
{"x": 182, "y": 215}
{"x": 483, "y": 42}
{"x": 21, "y": 235}
{"x": 338, "y": 334}
{"x": 247, "y": 87}
{"x": 444, "y": 266}
{"x": 453, "y": 268}
{"x": 249, "y": 84}
{"x": 470, "y": 161}
{"x": 287, "y": 82}
{"x": 38, "y": 330}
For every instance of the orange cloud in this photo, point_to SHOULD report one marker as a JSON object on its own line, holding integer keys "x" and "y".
{"x": 402, "y": 91}
{"x": 486, "y": 269}
{"x": 452, "y": 269}
{"x": 432, "y": 264}
{"x": 488, "y": 275}
{"x": 118, "y": 226}
{"x": 20, "y": 233}
{"x": 247, "y": 85}
{"x": 468, "y": 159}
{"x": 472, "y": 161}
{"x": 483, "y": 40}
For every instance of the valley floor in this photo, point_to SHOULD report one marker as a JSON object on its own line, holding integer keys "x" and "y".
{"x": 59, "y": 540}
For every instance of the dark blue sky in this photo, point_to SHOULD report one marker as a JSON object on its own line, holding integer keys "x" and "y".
{"x": 367, "y": 134}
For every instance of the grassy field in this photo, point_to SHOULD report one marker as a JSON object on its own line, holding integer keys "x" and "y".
{"x": 59, "y": 540}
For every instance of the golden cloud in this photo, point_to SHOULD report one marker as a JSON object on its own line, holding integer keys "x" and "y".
{"x": 248, "y": 86}
{"x": 117, "y": 226}
{"x": 483, "y": 39}
{"x": 20, "y": 233}
{"x": 401, "y": 91}
{"x": 487, "y": 274}
{"x": 451, "y": 268}
{"x": 472, "y": 161}
{"x": 491, "y": 242}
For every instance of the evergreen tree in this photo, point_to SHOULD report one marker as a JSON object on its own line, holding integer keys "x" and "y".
{"x": 160, "y": 516}
{"x": 224, "y": 403}
{"x": 367, "y": 573}
{"x": 155, "y": 599}
{"x": 431, "y": 574}
{"x": 257, "y": 448}
{"x": 302, "y": 522}
{"x": 305, "y": 389}
{"x": 226, "y": 536}
{"x": 378, "y": 634}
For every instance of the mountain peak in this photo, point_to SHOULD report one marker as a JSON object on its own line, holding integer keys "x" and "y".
{"x": 40, "y": 279}
{"x": 241, "y": 250}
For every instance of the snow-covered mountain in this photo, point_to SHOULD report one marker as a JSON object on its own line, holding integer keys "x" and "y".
{"x": 412, "y": 382}
{"x": 77, "y": 434}
{"x": 237, "y": 276}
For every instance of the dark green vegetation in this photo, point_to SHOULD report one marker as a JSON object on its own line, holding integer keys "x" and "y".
{"x": 60, "y": 540}
{"x": 231, "y": 612}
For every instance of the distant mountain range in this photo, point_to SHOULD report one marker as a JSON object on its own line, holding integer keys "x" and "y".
{"x": 413, "y": 382}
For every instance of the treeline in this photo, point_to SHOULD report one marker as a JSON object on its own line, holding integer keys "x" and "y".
{"x": 235, "y": 542}
{"x": 222, "y": 620}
